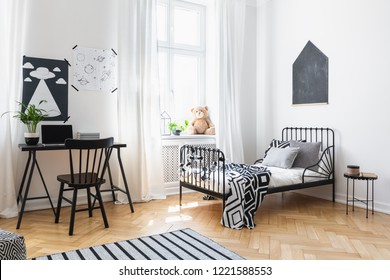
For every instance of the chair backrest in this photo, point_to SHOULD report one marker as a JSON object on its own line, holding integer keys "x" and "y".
{"x": 88, "y": 157}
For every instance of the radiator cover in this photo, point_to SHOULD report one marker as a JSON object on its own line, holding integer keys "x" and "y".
{"x": 171, "y": 156}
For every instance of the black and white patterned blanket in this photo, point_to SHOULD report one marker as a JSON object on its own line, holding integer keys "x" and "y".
{"x": 248, "y": 186}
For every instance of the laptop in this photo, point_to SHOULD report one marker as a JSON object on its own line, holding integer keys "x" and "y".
{"x": 56, "y": 134}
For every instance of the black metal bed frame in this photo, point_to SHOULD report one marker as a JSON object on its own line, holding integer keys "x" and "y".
{"x": 203, "y": 160}
{"x": 324, "y": 168}
{"x": 198, "y": 163}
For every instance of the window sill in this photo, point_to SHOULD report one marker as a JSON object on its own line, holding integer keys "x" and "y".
{"x": 187, "y": 136}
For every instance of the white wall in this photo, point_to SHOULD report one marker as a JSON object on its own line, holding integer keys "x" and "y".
{"x": 54, "y": 27}
{"x": 355, "y": 37}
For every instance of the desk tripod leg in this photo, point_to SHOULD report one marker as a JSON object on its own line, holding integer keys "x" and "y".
{"x": 125, "y": 182}
{"x": 347, "y": 194}
{"x": 367, "y": 199}
{"x": 111, "y": 181}
{"x": 24, "y": 178}
{"x": 372, "y": 197}
{"x": 27, "y": 189}
{"x": 353, "y": 195}
{"x": 44, "y": 185}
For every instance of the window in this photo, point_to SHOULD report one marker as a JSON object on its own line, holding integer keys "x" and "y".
{"x": 181, "y": 54}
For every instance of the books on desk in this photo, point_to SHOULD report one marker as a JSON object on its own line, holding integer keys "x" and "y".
{"x": 87, "y": 135}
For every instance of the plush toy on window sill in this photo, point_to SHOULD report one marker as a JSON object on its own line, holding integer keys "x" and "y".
{"x": 201, "y": 123}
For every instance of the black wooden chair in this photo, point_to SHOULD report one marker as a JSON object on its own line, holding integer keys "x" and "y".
{"x": 88, "y": 162}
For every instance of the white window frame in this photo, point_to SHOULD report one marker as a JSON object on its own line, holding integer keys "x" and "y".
{"x": 171, "y": 48}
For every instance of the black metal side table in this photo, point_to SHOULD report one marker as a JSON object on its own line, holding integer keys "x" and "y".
{"x": 368, "y": 177}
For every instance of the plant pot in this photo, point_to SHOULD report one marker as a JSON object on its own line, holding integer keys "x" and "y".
{"x": 176, "y": 132}
{"x": 31, "y": 138}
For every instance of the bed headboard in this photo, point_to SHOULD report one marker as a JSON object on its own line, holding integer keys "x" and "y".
{"x": 310, "y": 134}
{"x": 316, "y": 134}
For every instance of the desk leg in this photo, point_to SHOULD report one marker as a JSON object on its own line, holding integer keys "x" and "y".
{"x": 353, "y": 195}
{"x": 24, "y": 199}
{"x": 372, "y": 197}
{"x": 111, "y": 181}
{"x": 347, "y": 194}
{"x": 125, "y": 181}
{"x": 367, "y": 199}
{"x": 24, "y": 178}
{"x": 44, "y": 185}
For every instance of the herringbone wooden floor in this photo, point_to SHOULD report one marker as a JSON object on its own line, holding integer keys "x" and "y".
{"x": 288, "y": 226}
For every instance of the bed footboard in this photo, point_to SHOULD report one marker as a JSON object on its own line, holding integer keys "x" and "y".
{"x": 203, "y": 170}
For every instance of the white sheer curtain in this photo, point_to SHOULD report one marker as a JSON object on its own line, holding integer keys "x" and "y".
{"x": 138, "y": 99}
{"x": 230, "y": 23}
{"x": 12, "y": 20}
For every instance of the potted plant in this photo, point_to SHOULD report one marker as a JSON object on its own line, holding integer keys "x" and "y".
{"x": 31, "y": 115}
{"x": 177, "y": 128}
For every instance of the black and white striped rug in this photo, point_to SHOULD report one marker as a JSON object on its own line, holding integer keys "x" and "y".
{"x": 184, "y": 244}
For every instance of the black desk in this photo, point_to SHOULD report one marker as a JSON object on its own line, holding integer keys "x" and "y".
{"x": 32, "y": 162}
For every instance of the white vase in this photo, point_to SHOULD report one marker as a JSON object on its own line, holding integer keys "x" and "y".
{"x": 31, "y": 138}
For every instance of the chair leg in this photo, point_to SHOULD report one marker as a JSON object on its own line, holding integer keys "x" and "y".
{"x": 59, "y": 202}
{"x": 101, "y": 206}
{"x": 73, "y": 211}
{"x": 90, "y": 206}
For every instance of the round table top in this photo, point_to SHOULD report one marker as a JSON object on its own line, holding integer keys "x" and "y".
{"x": 362, "y": 176}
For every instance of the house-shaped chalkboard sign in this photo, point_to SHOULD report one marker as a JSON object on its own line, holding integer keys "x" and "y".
{"x": 310, "y": 76}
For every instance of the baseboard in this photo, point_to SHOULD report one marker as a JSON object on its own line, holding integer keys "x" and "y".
{"x": 173, "y": 189}
{"x": 323, "y": 193}
{"x": 342, "y": 198}
{"x": 378, "y": 205}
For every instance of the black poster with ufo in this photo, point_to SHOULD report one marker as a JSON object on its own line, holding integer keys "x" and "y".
{"x": 46, "y": 79}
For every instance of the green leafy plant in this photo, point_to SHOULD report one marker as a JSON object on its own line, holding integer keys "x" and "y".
{"x": 173, "y": 126}
{"x": 185, "y": 125}
{"x": 31, "y": 115}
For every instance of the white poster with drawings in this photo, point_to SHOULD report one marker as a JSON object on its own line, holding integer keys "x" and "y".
{"x": 94, "y": 69}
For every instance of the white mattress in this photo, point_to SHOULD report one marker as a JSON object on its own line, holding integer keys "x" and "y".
{"x": 285, "y": 177}
{"x": 279, "y": 177}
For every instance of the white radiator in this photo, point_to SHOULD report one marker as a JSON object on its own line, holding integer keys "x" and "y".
{"x": 171, "y": 156}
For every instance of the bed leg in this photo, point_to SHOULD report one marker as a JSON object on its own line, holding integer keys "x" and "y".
{"x": 180, "y": 194}
{"x": 333, "y": 191}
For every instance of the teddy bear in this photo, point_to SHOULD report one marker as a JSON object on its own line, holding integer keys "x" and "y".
{"x": 201, "y": 123}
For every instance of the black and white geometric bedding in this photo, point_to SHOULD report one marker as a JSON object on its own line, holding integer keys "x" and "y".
{"x": 248, "y": 186}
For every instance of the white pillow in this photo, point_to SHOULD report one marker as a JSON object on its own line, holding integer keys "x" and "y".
{"x": 281, "y": 157}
